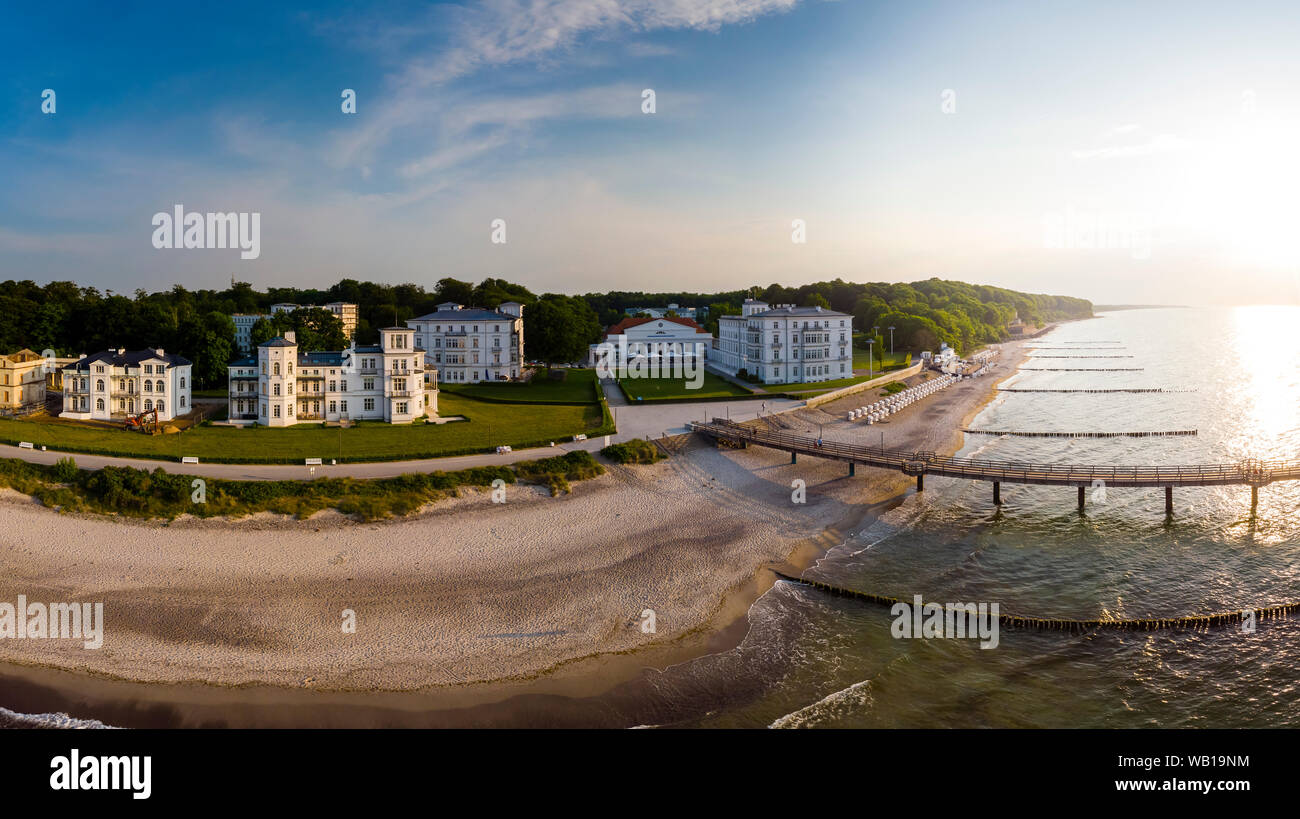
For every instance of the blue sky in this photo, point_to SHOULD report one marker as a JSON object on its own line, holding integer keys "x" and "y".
{"x": 1121, "y": 152}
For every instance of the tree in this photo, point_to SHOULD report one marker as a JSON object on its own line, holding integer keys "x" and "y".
{"x": 559, "y": 328}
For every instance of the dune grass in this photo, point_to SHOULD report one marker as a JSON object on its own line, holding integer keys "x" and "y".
{"x": 143, "y": 493}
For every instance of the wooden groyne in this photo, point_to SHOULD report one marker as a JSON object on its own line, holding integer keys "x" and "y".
{"x": 1081, "y": 356}
{"x": 1133, "y": 389}
{"x": 999, "y": 432}
{"x": 1193, "y": 621}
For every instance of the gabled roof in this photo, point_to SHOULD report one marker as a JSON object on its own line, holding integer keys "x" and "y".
{"x": 278, "y": 341}
{"x": 626, "y": 323}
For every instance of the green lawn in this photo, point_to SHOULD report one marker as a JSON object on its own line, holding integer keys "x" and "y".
{"x": 658, "y": 389}
{"x": 489, "y": 425}
{"x": 577, "y": 387}
{"x": 892, "y": 361}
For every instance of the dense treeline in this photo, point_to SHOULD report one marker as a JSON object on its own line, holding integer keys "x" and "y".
{"x": 923, "y": 313}
{"x": 196, "y": 323}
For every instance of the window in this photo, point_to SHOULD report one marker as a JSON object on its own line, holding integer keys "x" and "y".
{"x": 159, "y": 387}
{"x": 148, "y": 405}
{"x": 275, "y": 389}
{"x": 182, "y": 382}
{"x": 369, "y": 404}
{"x": 148, "y": 385}
{"x": 182, "y": 402}
{"x": 99, "y": 384}
{"x": 99, "y": 404}
{"x": 334, "y": 407}
{"x": 343, "y": 406}
{"x": 367, "y": 383}
{"x": 158, "y": 405}
{"x": 401, "y": 408}
{"x": 276, "y": 410}
{"x": 334, "y": 386}
{"x": 343, "y": 386}
{"x": 276, "y": 368}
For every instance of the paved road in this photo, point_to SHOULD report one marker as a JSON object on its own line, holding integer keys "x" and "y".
{"x": 633, "y": 421}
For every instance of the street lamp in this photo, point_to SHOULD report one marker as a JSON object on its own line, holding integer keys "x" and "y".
{"x": 870, "y": 356}
{"x": 891, "y": 339}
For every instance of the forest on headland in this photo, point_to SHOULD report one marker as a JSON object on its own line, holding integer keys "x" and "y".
{"x": 72, "y": 319}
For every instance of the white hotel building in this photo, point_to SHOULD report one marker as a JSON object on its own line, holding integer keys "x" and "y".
{"x": 111, "y": 385}
{"x": 785, "y": 344}
{"x": 655, "y": 345}
{"x": 283, "y": 385}
{"x": 467, "y": 345}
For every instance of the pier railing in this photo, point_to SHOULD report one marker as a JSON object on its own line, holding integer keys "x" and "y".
{"x": 1248, "y": 473}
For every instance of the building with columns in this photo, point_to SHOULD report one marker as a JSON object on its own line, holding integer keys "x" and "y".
{"x": 785, "y": 344}
{"x": 283, "y": 385}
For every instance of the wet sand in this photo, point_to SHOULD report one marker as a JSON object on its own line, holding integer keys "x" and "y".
{"x": 473, "y": 600}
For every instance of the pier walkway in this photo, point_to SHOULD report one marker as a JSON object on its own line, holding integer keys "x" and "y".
{"x": 1252, "y": 473}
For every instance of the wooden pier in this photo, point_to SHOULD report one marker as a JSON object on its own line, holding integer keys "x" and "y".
{"x": 1252, "y": 473}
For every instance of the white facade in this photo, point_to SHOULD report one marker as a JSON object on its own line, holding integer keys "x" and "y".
{"x": 283, "y": 386}
{"x": 111, "y": 385}
{"x": 244, "y": 330}
{"x": 467, "y": 345}
{"x": 660, "y": 343}
{"x": 785, "y": 344}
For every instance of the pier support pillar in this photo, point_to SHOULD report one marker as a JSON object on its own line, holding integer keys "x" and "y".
{"x": 1169, "y": 501}
{"x": 920, "y": 483}
{"x": 997, "y": 493}
{"x": 1254, "y": 497}
{"x": 851, "y": 465}
{"x": 1080, "y": 498}
{"x": 794, "y": 457}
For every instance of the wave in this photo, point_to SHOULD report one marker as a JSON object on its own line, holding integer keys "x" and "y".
{"x": 13, "y": 719}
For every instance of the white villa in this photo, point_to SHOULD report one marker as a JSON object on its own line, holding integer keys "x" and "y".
{"x": 472, "y": 344}
{"x": 785, "y": 344}
{"x": 111, "y": 385}
{"x": 283, "y": 386}
{"x": 660, "y": 344}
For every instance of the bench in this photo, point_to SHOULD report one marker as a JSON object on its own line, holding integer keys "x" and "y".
{"x": 25, "y": 445}
{"x": 189, "y": 459}
{"x": 313, "y": 462}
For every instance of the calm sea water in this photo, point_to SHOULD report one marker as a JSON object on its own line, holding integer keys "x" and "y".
{"x": 813, "y": 660}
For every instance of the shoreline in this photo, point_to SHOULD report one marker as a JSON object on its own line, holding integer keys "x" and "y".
{"x": 717, "y": 619}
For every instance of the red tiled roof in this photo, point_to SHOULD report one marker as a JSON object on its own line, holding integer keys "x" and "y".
{"x": 627, "y": 322}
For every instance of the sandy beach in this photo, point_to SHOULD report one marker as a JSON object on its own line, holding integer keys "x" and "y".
{"x": 468, "y": 591}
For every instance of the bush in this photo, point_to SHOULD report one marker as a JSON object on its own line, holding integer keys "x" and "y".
{"x": 635, "y": 451}
{"x": 64, "y": 470}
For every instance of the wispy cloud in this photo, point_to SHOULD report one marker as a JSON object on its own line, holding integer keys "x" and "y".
{"x": 1160, "y": 144}
{"x": 499, "y": 33}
